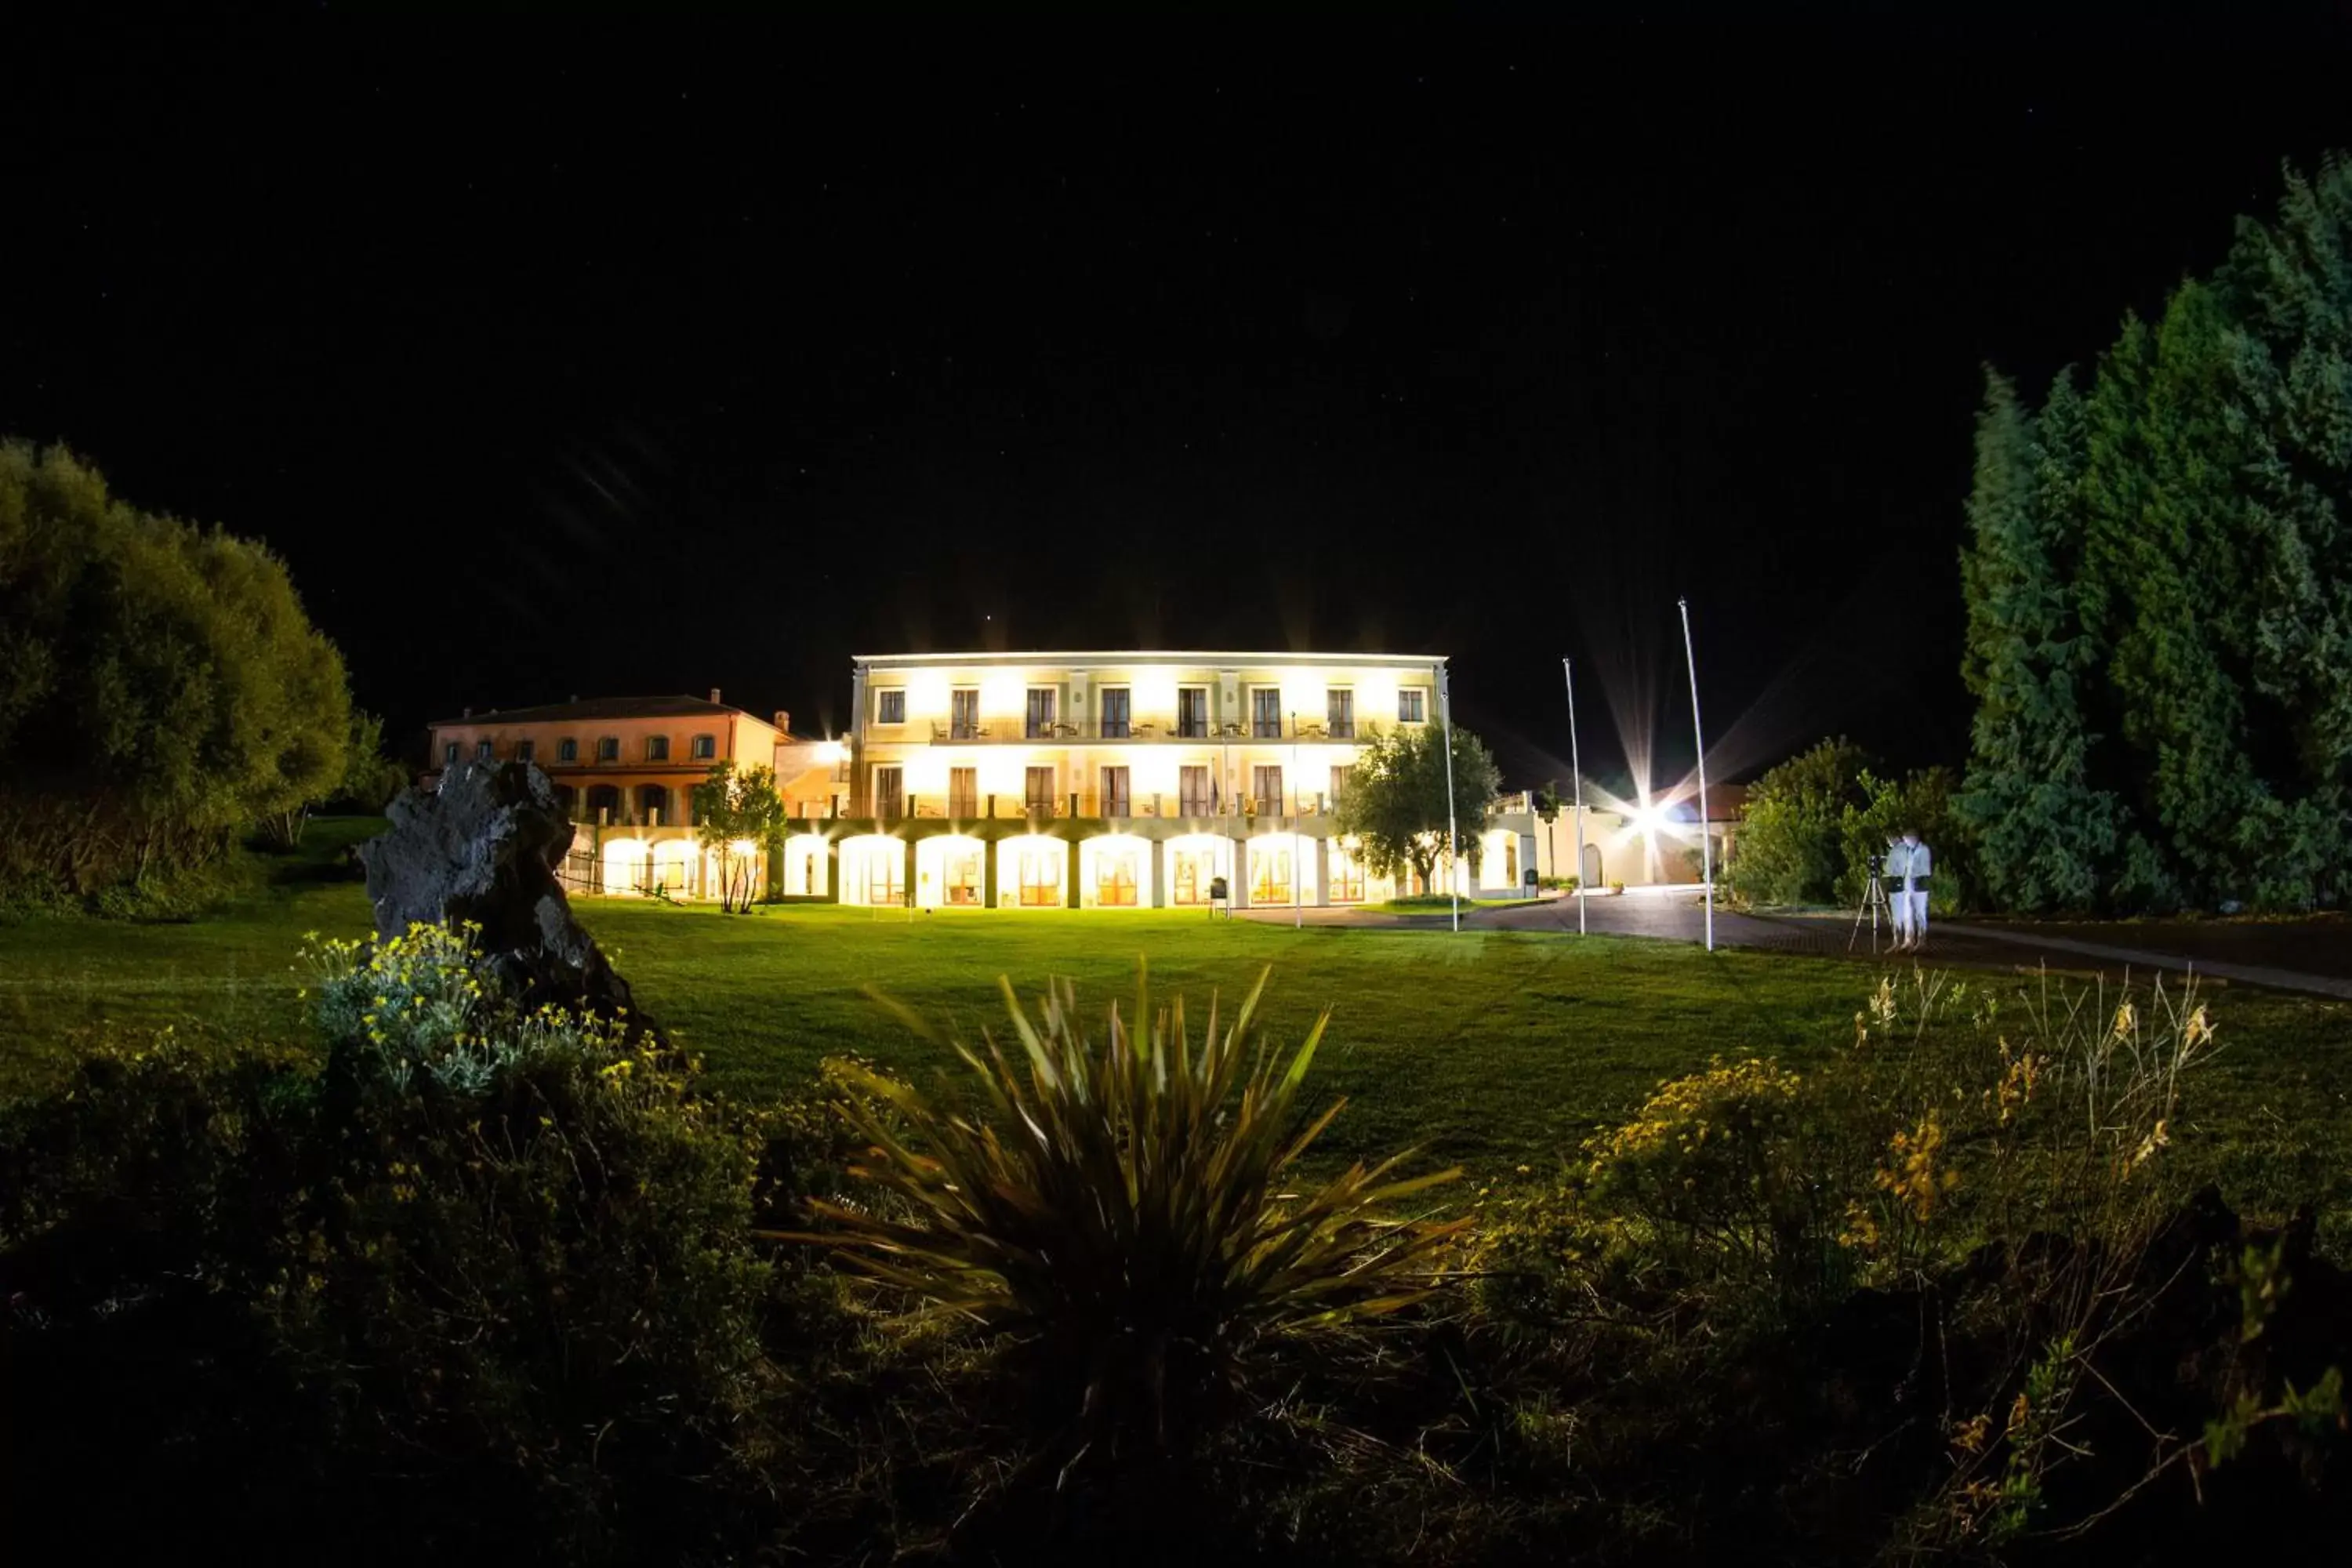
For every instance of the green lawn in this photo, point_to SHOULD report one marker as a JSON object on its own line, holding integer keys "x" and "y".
{"x": 1490, "y": 1048}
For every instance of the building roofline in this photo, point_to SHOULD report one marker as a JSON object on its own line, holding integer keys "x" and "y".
{"x": 1132, "y": 655}
{"x": 678, "y": 705}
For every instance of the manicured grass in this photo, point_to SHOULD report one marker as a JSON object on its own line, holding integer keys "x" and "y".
{"x": 1490, "y": 1048}
{"x": 1440, "y": 903}
{"x": 227, "y": 974}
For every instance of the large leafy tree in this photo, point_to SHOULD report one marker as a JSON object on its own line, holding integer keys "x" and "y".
{"x": 739, "y": 817}
{"x": 161, "y": 687}
{"x": 2047, "y": 836}
{"x": 1395, "y": 806}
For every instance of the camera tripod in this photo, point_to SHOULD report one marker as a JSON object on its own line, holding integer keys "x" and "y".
{"x": 1874, "y": 903}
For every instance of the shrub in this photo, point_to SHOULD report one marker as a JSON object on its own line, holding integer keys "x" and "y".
{"x": 1790, "y": 846}
{"x": 1817, "y": 826}
{"x": 1122, "y": 1210}
{"x": 484, "y": 1285}
{"x": 1970, "y": 1215}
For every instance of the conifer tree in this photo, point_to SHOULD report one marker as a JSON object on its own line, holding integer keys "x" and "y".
{"x": 2046, "y": 835}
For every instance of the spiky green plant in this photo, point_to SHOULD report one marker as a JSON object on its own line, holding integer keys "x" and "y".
{"x": 1121, "y": 1207}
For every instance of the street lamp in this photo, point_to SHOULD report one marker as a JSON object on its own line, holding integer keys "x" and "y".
{"x": 1452, "y": 834}
{"x": 1576, "y": 766}
{"x": 1297, "y": 855}
{"x": 1698, "y": 738}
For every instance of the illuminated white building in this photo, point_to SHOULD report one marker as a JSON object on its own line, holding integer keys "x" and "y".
{"x": 1116, "y": 780}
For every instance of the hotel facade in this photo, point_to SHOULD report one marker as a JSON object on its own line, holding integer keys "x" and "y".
{"x": 1117, "y": 780}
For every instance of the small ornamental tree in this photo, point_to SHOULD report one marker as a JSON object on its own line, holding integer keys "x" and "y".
{"x": 739, "y": 817}
{"x": 1548, "y": 809}
{"x": 1396, "y": 802}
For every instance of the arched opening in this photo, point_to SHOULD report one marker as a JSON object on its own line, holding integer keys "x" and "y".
{"x": 1115, "y": 872}
{"x": 625, "y": 866}
{"x": 653, "y": 805}
{"x": 1498, "y": 860}
{"x": 804, "y": 866}
{"x": 1195, "y": 860}
{"x": 873, "y": 869}
{"x": 603, "y": 803}
{"x": 567, "y": 800}
{"x": 1591, "y": 876}
{"x": 1348, "y": 886}
{"x": 675, "y": 864}
{"x": 1030, "y": 872}
{"x": 1281, "y": 869}
{"x": 951, "y": 871}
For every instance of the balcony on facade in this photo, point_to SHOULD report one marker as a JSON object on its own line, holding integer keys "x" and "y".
{"x": 982, "y": 732}
{"x": 1082, "y": 806}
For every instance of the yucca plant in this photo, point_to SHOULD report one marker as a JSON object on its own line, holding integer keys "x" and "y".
{"x": 1120, "y": 1207}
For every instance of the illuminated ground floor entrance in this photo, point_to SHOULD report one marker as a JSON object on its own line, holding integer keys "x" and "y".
{"x": 1111, "y": 864}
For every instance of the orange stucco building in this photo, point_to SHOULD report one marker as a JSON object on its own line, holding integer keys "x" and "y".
{"x": 616, "y": 761}
{"x": 625, "y": 768}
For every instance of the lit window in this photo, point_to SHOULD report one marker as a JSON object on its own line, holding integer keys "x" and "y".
{"x": 1269, "y": 874}
{"x": 449, "y": 755}
{"x": 608, "y": 748}
{"x": 1115, "y": 879}
{"x": 1192, "y": 796}
{"x": 657, "y": 748}
{"x": 1266, "y": 712}
{"x": 1346, "y": 878}
{"x": 1411, "y": 708}
{"x": 963, "y": 713}
{"x": 705, "y": 748}
{"x": 890, "y": 707}
{"x": 1266, "y": 790}
{"x": 1039, "y": 789}
{"x": 482, "y": 752}
{"x": 1038, "y": 874}
{"x": 1193, "y": 712}
{"x": 526, "y": 750}
{"x": 567, "y": 751}
{"x": 1340, "y": 708}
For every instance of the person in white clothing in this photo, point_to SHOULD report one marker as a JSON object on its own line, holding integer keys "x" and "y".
{"x": 1909, "y": 863}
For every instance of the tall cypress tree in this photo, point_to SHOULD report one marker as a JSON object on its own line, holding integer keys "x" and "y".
{"x": 2162, "y": 567}
{"x": 2287, "y": 379}
{"x": 2045, "y": 835}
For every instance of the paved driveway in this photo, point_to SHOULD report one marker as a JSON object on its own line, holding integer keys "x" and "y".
{"x": 2112, "y": 951}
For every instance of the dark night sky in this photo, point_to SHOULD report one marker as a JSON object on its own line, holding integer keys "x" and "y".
{"x": 633, "y": 354}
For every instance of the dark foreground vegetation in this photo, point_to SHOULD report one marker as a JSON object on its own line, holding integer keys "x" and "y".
{"x": 474, "y": 1282}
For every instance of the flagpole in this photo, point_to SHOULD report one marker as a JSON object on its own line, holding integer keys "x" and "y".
{"x": 1297, "y": 858}
{"x": 1452, "y": 834}
{"x": 1576, "y": 766}
{"x": 1698, "y": 738}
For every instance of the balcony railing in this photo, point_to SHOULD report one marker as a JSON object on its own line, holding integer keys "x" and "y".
{"x": 1140, "y": 730}
{"x": 1083, "y": 804}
